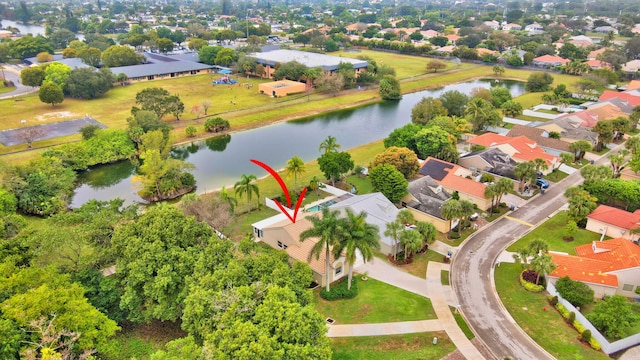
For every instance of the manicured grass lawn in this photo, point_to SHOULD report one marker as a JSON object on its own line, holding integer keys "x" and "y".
{"x": 376, "y": 302}
{"x": 552, "y": 231}
{"x": 556, "y": 176}
{"x": 444, "y": 277}
{"x": 547, "y": 328}
{"x": 411, "y": 65}
{"x": 420, "y": 262}
{"x": 6, "y": 89}
{"x": 462, "y": 324}
{"x": 362, "y": 184}
{"x": 407, "y": 347}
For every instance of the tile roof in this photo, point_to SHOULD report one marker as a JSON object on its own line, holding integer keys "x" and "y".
{"x": 583, "y": 269}
{"x": 525, "y": 148}
{"x": 594, "y": 54}
{"x": 598, "y": 64}
{"x": 633, "y": 84}
{"x": 616, "y": 217}
{"x": 621, "y": 253}
{"x": 550, "y": 59}
{"x": 450, "y": 179}
{"x": 591, "y": 116}
{"x": 535, "y": 134}
{"x": 632, "y": 99}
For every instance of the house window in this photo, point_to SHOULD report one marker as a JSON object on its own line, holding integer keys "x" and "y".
{"x": 339, "y": 270}
{"x": 258, "y": 232}
{"x": 627, "y": 287}
{"x": 282, "y": 246}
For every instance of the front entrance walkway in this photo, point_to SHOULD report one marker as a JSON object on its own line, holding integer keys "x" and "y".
{"x": 380, "y": 329}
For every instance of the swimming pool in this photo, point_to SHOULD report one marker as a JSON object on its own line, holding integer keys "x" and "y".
{"x": 329, "y": 202}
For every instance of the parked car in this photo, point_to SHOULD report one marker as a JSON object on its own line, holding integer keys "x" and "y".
{"x": 542, "y": 183}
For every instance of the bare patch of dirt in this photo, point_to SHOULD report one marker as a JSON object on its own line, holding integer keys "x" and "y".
{"x": 58, "y": 115}
{"x": 364, "y": 311}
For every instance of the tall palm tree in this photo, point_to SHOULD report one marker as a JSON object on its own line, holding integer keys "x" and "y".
{"x": 328, "y": 229}
{"x": 411, "y": 241}
{"x": 565, "y": 158}
{"x": 524, "y": 171}
{"x": 540, "y": 164}
{"x": 491, "y": 192}
{"x": 358, "y": 236}
{"x": 233, "y": 202}
{"x": 467, "y": 208}
{"x": 245, "y": 187}
{"x": 393, "y": 231}
{"x": 428, "y": 232}
{"x": 329, "y": 144}
{"x": 451, "y": 210}
{"x": 295, "y": 167}
{"x": 405, "y": 217}
{"x": 502, "y": 187}
{"x": 542, "y": 265}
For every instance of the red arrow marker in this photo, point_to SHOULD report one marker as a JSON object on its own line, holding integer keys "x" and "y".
{"x": 284, "y": 188}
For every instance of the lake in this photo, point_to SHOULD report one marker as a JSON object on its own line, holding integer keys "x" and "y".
{"x": 221, "y": 161}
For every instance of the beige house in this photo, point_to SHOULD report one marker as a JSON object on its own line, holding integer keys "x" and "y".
{"x": 613, "y": 222}
{"x": 609, "y": 267}
{"x": 281, "y": 234}
{"x": 282, "y": 88}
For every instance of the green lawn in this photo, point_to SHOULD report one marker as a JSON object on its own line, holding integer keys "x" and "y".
{"x": 552, "y": 231}
{"x": 444, "y": 277}
{"x": 556, "y": 176}
{"x": 376, "y": 302}
{"x": 362, "y": 183}
{"x": 6, "y": 89}
{"x": 547, "y": 328}
{"x": 140, "y": 341}
{"x": 462, "y": 324}
{"x": 407, "y": 347}
{"x": 411, "y": 65}
{"x": 420, "y": 262}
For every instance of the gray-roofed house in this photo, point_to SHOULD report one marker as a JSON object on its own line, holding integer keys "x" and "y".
{"x": 541, "y": 137}
{"x": 425, "y": 200}
{"x": 380, "y": 211}
{"x": 328, "y": 63}
{"x": 73, "y": 63}
{"x": 491, "y": 160}
{"x": 162, "y": 67}
{"x": 570, "y": 130}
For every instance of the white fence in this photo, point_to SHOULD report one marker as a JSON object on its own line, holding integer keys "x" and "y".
{"x": 606, "y": 346}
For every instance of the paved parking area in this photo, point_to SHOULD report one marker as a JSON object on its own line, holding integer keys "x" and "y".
{"x": 63, "y": 128}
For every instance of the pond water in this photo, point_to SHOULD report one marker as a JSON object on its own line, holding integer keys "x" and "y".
{"x": 28, "y": 28}
{"x": 220, "y": 161}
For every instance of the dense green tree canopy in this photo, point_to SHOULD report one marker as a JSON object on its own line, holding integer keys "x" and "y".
{"x": 335, "y": 164}
{"x": 160, "y": 101}
{"x": 389, "y": 181}
{"x": 29, "y": 46}
{"x": 87, "y": 83}
{"x": 117, "y": 55}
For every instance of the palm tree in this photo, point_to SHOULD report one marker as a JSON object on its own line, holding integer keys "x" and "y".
{"x": 358, "y": 236}
{"x": 451, "y": 210}
{"x": 491, "y": 192}
{"x": 393, "y": 231}
{"x": 522, "y": 256}
{"x": 405, "y": 216}
{"x": 540, "y": 164}
{"x": 328, "y": 229}
{"x": 411, "y": 241}
{"x": 565, "y": 158}
{"x": 542, "y": 265}
{"x": 233, "y": 202}
{"x": 502, "y": 187}
{"x": 524, "y": 171}
{"x": 618, "y": 161}
{"x": 633, "y": 144}
{"x": 244, "y": 186}
{"x": 329, "y": 144}
{"x": 467, "y": 208}
{"x": 428, "y": 232}
{"x": 295, "y": 167}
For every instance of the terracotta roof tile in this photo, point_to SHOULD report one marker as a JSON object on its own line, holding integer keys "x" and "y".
{"x": 583, "y": 269}
{"x": 526, "y": 149}
{"x": 630, "y": 98}
{"x": 621, "y": 253}
{"x": 455, "y": 182}
{"x": 616, "y": 217}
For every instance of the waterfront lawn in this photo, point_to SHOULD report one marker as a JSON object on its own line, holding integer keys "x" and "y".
{"x": 407, "y": 347}
{"x": 552, "y": 231}
{"x": 547, "y": 328}
{"x": 376, "y": 302}
{"x": 362, "y": 184}
{"x": 411, "y": 65}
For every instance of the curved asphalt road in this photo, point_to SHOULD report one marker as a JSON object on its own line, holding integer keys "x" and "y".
{"x": 472, "y": 274}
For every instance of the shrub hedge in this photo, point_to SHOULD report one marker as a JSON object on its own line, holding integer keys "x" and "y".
{"x": 339, "y": 290}
{"x": 530, "y": 286}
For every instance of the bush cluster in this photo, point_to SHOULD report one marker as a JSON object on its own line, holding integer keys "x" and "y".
{"x": 531, "y": 287}
{"x": 339, "y": 290}
{"x": 570, "y": 317}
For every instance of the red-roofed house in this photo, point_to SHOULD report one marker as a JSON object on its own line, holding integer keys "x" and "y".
{"x": 590, "y": 117}
{"x": 633, "y": 85}
{"x": 549, "y": 60}
{"x": 520, "y": 148}
{"x": 631, "y": 96}
{"x": 455, "y": 178}
{"x": 598, "y": 64}
{"x": 595, "y": 53}
{"x": 609, "y": 267}
{"x": 613, "y": 222}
